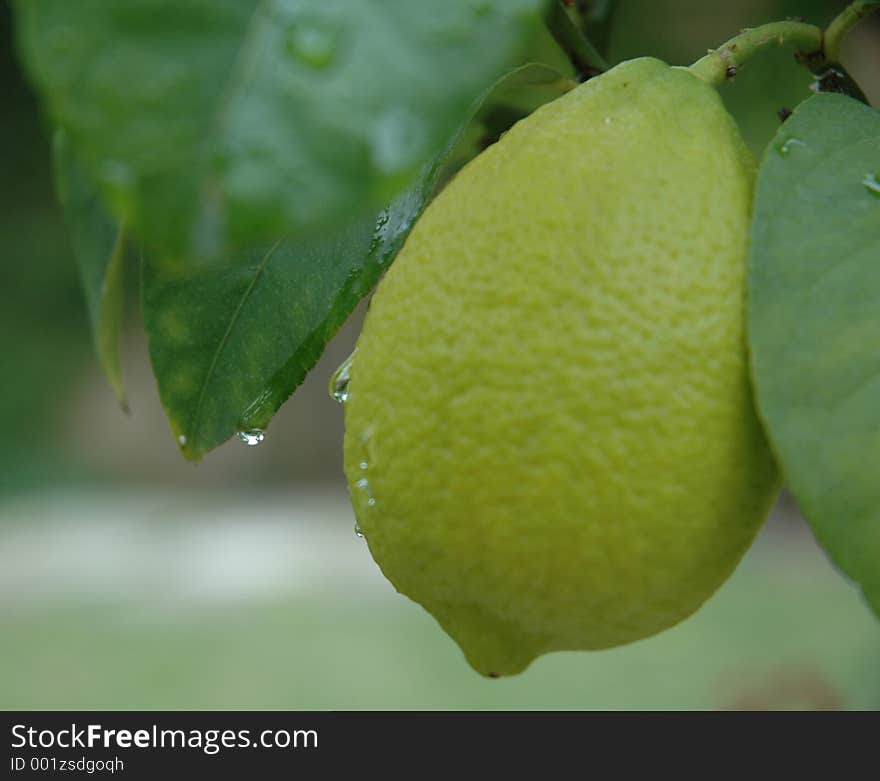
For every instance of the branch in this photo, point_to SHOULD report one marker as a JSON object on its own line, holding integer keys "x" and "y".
{"x": 817, "y": 50}
{"x": 848, "y": 19}
{"x": 722, "y": 64}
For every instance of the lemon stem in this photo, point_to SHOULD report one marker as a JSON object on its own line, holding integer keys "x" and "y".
{"x": 816, "y": 49}
{"x": 722, "y": 64}
{"x": 845, "y": 22}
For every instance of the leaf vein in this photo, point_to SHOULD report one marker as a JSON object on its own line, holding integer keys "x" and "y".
{"x": 209, "y": 375}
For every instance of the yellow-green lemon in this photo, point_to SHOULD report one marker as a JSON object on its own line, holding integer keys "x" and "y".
{"x": 550, "y": 438}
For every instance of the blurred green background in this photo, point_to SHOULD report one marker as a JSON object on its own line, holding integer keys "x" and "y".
{"x": 132, "y": 579}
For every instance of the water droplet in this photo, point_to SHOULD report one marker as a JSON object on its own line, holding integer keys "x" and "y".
{"x": 313, "y": 44}
{"x": 397, "y": 140}
{"x": 872, "y": 183}
{"x": 365, "y": 440}
{"x": 340, "y": 380}
{"x": 395, "y": 221}
{"x": 252, "y": 437}
{"x": 363, "y": 465}
{"x": 382, "y": 221}
{"x": 786, "y": 147}
{"x": 260, "y": 411}
{"x": 359, "y": 531}
{"x": 364, "y": 485}
{"x": 182, "y": 439}
{"x": 379, "y": 243}
{"x": 609, "y": 121}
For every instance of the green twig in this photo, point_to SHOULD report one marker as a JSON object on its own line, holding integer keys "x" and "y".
{"x": 722, "y": 64}
{"x": 574, "y": 42}
{"x": 848, "y": 19}
{"x": 818, "y": 50}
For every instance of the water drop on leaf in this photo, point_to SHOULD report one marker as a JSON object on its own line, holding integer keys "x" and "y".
{"x": 872, "y": 183}
{"x": 379, "y": 241}
{"x": 313, "y": 45}
{"x": 786, "y": 147}
{"x": 252, "y": 437}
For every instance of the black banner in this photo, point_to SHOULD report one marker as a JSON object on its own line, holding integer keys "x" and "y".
{"x": 136, "y": 745}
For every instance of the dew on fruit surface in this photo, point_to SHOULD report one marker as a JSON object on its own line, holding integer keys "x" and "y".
{"x": 786, "y": 147}
{"x": 365, "y": 441}
{"x": 252, "y": 437}
{"x": 397, "y": 140}
{"x": 340, "y": 379}
{"x": 313, "y": 45}
{"x": 363, "y": 485}
{"x": 872, "y": 183}
{"x": 364, "y": 489}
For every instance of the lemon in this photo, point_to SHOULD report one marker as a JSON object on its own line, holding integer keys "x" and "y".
{"x": 550, "y": 436}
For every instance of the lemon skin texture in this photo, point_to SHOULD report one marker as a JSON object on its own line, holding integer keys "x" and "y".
{"x": 550, "y": 438}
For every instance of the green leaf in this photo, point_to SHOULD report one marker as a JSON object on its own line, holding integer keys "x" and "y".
{"x": 99, "y": 247}
{"x": 211, "y": 124}
{"x": 572, "y": 38}
{"x": 598, "y": 17}
{"x": 814, "y": 320}
{"x": 230, "y": 341}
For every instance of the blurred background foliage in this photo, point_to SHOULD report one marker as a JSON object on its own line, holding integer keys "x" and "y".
{"x": 130, "y": 578}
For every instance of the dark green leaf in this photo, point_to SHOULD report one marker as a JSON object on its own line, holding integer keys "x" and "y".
{"x": 99, "y": 247}
{"x": 598, "y": 17}
{"x": 814, "y": 303}
{"x": 572, "y": 38}
{"x": 231, "y": 341}
{"x": 214, "y": 123}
